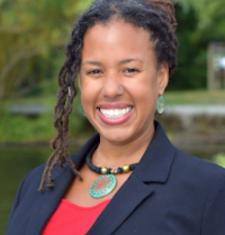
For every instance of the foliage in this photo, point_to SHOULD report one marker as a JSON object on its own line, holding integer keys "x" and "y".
{"x": 199, "y": 23}
{"x": 187, "y": 76}
{"x": 33, "y": 34}
{"x": 195, "y": 97}
{"x": 22, "y": 128}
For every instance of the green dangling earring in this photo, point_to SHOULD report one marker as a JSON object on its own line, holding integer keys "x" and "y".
{"x": 160, "y": 104}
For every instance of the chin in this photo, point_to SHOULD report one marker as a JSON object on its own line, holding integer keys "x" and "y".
{"x": 119, "y": 137}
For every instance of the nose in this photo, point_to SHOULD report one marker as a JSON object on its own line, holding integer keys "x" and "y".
{"x": 112, "y": 86}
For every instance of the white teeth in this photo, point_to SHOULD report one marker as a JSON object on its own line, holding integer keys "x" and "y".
{"x": 115, "y": 113}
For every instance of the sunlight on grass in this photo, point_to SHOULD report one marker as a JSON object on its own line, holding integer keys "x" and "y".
{"x": 220, "y": 159}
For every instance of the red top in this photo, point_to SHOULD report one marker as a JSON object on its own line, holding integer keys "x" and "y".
{"x": 73, "y": 219}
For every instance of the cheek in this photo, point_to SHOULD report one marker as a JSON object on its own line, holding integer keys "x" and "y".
{"x": 88, "y": 93}
{"x": 85, "y": 98}
{"x": 145, "y": 90}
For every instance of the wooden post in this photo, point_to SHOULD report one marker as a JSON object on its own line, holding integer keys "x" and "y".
{"x": 215, "y": 73}
{"x": 210, "y": 72}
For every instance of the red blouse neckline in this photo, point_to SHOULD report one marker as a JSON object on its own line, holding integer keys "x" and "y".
{"x": 70, "y": 218}
{"x": 77, "y": 206}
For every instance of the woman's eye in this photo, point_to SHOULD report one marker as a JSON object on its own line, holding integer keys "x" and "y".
{"x": 131, "y": 71}
{"x": 94, "y": 72}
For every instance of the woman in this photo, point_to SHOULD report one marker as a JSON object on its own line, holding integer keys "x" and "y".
{"x": 128, "y": 178}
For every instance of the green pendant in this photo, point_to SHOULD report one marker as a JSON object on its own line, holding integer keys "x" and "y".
{"x": 103, "y": 186}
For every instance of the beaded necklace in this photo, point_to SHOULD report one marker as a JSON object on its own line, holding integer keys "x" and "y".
{"x": 107, "y": 181}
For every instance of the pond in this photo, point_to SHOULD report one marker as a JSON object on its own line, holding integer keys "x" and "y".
{"x": 15, "y": 162}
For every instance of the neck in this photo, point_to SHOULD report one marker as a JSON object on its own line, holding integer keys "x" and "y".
{"x": 110, "y": 154}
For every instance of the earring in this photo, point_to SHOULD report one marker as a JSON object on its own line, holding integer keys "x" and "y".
{"x": 160, "y": 104}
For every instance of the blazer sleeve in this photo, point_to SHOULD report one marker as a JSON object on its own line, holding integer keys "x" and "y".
{"x": 15, "y": 203}
{"x": 19, "y": 195}
{"x": 214, "y": 216}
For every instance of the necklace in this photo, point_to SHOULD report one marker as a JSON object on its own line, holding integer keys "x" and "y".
{"x": 106, "y": 182}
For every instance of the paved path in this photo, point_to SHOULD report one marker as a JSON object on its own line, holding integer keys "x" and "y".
{"x": 195, "y": 110}
{"x": 28, "y": 109}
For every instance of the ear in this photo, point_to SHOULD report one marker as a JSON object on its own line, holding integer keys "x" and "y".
{"x": 162, "y": 78}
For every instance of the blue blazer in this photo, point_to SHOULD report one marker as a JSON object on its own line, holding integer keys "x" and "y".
{"x": 169, "y": 193}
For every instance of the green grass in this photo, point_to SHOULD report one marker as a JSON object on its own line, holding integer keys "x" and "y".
{"x": 15, "y": 128}
{"x": 48, "y": 101}
{"x": 23, "y": 129}
{"x": 220, "y": 159}
{"x": 195, "y": 97}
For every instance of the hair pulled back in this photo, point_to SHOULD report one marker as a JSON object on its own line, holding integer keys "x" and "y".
{"x": 156, "y": 16}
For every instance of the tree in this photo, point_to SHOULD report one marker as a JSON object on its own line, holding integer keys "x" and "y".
{"x": 199, "y": 23}
{"x": 33, "y": 35}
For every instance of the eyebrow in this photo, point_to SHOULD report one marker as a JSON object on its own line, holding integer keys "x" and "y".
{"x": 92, "y": 62}
{"x": 130, "y": 60}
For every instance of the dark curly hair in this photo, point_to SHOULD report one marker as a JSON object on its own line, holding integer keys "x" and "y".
{"x": 155, "y": 16}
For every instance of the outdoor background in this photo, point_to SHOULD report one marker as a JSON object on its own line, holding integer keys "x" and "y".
{"x": 33, "y": 35}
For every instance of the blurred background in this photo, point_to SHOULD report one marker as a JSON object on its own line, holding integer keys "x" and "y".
{"x": 33, "y": 35}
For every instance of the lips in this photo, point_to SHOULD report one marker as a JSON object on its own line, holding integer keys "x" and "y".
{"x": 114, "y": 114}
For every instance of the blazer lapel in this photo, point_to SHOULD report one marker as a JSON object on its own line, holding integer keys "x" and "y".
{"x": 48, "y": 201}
{"x": 153, "y": 168}
{"x": 130, "y": 195}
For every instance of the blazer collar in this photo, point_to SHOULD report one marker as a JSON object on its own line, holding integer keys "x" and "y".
{"x": 157, "y": 159}
{"x": 154, "y": 167}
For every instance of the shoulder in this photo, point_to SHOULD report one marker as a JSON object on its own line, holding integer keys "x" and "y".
{"x": 33, "y": 176}
{"x": 198, "y": 168}
{"x": 197, "y": 177}
{"x": 32, "y": 179}
{"x": 29, "y": 183}
{"x": 27, "y": 191}
{"x": 36, "y": 172}
{"x": 184, "y": 167}
{"x": 28, "y": 188}
{"x": 204, "y": 183}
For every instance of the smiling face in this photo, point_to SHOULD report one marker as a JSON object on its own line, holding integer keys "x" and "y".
{"x": 120, "y": 81}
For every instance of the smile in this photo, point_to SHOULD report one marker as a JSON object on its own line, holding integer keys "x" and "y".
{"x": 114, "y": 115}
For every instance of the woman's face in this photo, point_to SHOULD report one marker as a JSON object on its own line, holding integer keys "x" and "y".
{"x": 120, "y": 81}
